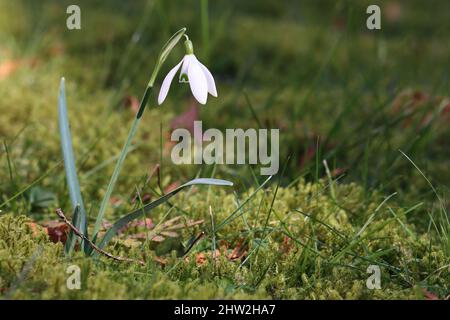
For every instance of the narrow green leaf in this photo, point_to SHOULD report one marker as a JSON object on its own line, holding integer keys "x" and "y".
{"x": 79, "y": 218}
{"x": 139, "y": 212}
{"x": 134, "y": 126}
{"x": 113, "y": 180}
{"x": 168, "y": 46}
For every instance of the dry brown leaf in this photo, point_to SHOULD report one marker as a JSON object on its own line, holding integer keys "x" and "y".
{"x": 158, "y": 238}
{"x": 239, "y": 251}
{"x": 160, "y": 260}
{"x": 169, "y": 234}
{"x": 171, "y": 187}
{"x": 202, "y": 257}
{"x": 188, "y": 224}
{"x": 337, "y": 172}
{"x": 57, "y": 231}
{"x": 115, "y": 201}
{"x": 170, "y": 222}
{"x": 147, "y": 223}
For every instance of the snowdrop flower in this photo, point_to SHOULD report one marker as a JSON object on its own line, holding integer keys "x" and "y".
{"x": 193, "y": 72}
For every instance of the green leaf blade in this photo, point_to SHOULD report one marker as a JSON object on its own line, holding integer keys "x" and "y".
{"x": 79, "y": 218}
{"x": 167, "y": 48}
{"x": 165, "y": 51}
{"x": 139, "y": 212}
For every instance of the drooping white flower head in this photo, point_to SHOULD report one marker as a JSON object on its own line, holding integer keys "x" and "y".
{"x": 192, "y": 71}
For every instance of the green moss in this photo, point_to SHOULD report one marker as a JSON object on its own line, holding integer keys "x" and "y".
{"x": 361, "y": 92}
{"x": 302, "y": 265}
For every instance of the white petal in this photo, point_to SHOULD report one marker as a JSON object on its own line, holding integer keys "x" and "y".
{"x": 166, "y": 83}
{"x": 197, "y": 81}
{"x": 209, "y": 79}
{"x": 185, "y": 67}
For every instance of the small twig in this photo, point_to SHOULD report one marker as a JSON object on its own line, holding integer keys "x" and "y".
{"x": 60, "y": 213}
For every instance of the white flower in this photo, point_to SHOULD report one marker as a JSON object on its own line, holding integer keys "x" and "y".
{"x": 193, "y": 71}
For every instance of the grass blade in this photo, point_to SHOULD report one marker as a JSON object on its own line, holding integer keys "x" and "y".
{"x": 139, "y": 212}
{"x": 235, "y": 214}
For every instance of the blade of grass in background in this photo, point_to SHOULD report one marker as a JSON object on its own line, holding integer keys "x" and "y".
{"x": 79, "y": 218}
{"x": 235, "y": 214}
{"x": 444, "y": 233}
{"x": 205, "y": 29}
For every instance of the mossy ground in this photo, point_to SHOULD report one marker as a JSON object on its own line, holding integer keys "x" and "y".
{"x": 336, "y": 91}
{"x": 293, "y": 257}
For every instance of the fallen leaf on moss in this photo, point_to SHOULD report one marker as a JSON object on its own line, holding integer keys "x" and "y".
{"x": 157, "y": 238}
{"x": 170, "y": 234}
{"x": 172, "y": 187}
{"x": 147, "y": 223}
{"x": 57, "y": 231}
{"x": 202, "y": 257}
{"x": 115, "y": 201}
{"x": 239, "y": 251}
{"x": 160, "y": 260}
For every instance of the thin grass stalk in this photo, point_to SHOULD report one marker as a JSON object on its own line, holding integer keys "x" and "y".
{"x": 162, "y": 57}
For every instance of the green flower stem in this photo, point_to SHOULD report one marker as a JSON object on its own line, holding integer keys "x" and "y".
{"x": 205, "y": 28}
{"x": 162, "y": 57}
{"x": 120, "y": 162}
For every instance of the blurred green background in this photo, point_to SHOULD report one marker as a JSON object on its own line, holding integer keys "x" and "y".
{"x": 336, "y": 90}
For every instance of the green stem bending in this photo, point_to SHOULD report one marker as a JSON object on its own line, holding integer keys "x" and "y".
{"x": 167, "y": 48}
{"x": 205, "y": 28}
{"x": 120, "y": 162}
